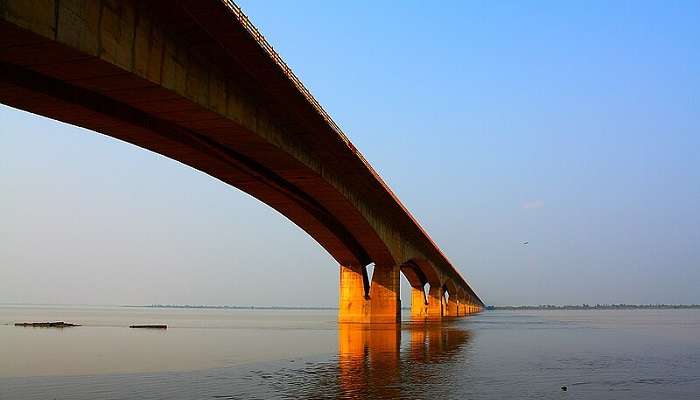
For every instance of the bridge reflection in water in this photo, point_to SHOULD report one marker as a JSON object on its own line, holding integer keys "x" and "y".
{"x": 385, "y": 363}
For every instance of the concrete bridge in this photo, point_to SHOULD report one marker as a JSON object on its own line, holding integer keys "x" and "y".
{"x": 195, "y": 81}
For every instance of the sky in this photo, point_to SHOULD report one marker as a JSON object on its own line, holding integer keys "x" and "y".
{"x": 574, "y": 126}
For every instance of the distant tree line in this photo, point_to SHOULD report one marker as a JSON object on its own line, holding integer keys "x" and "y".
{"x": 238, "y": 307}
{"x": 232, "y": 307}
{"x": 620, "y": 306}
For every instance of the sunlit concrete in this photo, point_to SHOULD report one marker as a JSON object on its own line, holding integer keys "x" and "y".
{"x": 419, "y": 303}
{"x": 379, "y": 304}
{"x": 435, "y": 302}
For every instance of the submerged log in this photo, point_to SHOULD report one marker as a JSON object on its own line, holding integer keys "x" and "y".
{"x": 57, "y": 324}
{"x": 149, "y": 326}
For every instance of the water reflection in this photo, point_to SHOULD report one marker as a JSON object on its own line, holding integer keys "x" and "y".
{"x": 431, "y": 343}
{"x": 621, "y": 355}
{"x": 368, "y": 361}
{"x": 383, "y": 363}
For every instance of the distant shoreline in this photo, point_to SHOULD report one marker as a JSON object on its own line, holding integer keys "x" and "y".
{"x": 601, "y": 307}
{"x": 188, "y": 306}
{"x": 546, "y": 307}
{"x": 488, "y": 308}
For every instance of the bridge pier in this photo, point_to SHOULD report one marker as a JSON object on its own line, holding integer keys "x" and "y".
{"x": 419, "y": 303}
{"x": 451, "y": 309}
{"x": 385, "y": 299}
{"x": 353, "y": 302}
{"x": 361, "y": 301}
{"x": 377, "y": 300}
{"x": 460, "y": 308}
{"x": 435, "y": 297}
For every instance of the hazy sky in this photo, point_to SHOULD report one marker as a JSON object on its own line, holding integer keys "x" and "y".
{"x": 574, "y": 126}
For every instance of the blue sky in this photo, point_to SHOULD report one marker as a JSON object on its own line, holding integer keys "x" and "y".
{"x": 572, "y": 125}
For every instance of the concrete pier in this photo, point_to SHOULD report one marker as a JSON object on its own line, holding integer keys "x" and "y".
{"x": 380, "y": 304}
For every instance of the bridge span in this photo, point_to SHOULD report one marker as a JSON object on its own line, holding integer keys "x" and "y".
{"x": 195, "y": 81}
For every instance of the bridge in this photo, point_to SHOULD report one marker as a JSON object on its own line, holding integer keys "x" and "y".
{"x": 195, "y": 81}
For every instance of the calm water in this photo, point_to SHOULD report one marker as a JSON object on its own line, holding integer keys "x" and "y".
{"x": 242, "y": 354}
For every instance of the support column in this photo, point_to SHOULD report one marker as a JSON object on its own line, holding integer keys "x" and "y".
{"x": 419, "y": 303}
{"x": 353, "y": 302}
{"x": 460, "y": 308}
{"x": 435, "y": 302}
{"x": 376, "y": 302}
{"x": 452, "y": 307}
{"x": 385, "y": 299}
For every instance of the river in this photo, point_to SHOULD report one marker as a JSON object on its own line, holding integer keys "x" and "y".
{"x": 285, "y": 354}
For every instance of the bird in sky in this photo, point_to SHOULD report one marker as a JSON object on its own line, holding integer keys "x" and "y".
{"x": 526, "y": 242}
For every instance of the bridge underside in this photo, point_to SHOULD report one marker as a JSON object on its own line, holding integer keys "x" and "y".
{"x": 189, "y": 80}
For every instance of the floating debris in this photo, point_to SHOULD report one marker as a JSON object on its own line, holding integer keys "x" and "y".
{"x": 149, "y": 326}
{"x": 57, "y": 324}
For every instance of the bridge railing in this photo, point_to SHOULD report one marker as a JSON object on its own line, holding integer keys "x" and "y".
{"x": 243, "y": 19}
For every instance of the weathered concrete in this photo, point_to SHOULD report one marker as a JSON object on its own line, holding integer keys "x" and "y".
{"x": 353, "y": 293}
{"x": 384, "y": 294}
{"x": 419, "y": 303}
{"x": 435, "y": 302}
{"x": 380, "y": 305}
{"x": 452, "y": 307}
{"x": 194, "y": 81}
